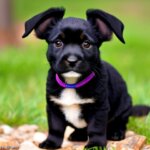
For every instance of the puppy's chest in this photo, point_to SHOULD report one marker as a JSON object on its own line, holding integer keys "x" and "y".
{"x": 70, "y": 103}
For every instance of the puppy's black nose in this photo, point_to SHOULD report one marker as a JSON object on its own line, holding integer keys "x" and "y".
{"x": 72, "y": 60}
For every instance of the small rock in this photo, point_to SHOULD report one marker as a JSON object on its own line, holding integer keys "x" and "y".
{"x": 146, "y": 147}
{"x": 78, "y": 147}
{"x": 129, "y": 133}
{"x": 135, "y": 142}
{"x": 27, "y": 145}
{"x": 39, "y": 137}
{"x": 5, "y": 129}
{"x": 1, "y": 131}
{"x": 4, "y": 137}
{"x": 3, "y": 140}
{"x": 67, "y": 148}
{"x": 66, "y": 143}
{"x": 74, "y": 147}
{"x": 11, "y": 145}
{"x": 28, "y": 128}
{"x": 22, "y": 136}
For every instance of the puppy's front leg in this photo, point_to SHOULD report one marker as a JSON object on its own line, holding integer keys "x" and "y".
{"x": 97, "y": 130}
{"x": 57, "y": 125}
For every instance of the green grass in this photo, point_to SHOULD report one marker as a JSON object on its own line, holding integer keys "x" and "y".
{"x": 23, "y": 70}
{"x": 22, "y": 80}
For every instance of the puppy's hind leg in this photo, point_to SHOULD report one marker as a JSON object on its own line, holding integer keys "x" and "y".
{"x": 116, "y": 129}
{"x": 78, "y": 135}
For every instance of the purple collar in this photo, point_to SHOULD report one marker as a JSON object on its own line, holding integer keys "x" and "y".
{"x": 74, "y": 86}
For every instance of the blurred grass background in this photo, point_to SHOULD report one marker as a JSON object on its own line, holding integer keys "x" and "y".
{"x": 23, "y": 69}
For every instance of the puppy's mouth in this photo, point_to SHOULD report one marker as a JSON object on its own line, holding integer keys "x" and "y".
{"x": 71, "y": 77}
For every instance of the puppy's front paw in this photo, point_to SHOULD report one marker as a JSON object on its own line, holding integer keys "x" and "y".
{"x": 47, "y": 144}
{"x": 116, "y": 136}
{"x": 88, "y": 147}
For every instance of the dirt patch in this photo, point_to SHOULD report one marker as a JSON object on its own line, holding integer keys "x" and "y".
{"x": 28, "y": 137}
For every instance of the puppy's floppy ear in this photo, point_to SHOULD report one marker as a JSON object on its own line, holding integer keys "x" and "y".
{"x": 42, "y": 21}
{"x": 106, "y": 24}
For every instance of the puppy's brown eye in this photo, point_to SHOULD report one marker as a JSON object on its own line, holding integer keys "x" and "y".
{"x": 58, "y": 43}
{"x": 86, "y": 44}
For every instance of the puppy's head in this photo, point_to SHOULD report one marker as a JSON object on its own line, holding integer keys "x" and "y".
{"x": 73, "y": 43}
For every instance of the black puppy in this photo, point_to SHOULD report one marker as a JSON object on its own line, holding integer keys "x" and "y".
{"x": 82, "y": 90}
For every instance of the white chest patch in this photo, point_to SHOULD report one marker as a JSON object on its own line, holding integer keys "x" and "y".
{"x": 70, "y": 103}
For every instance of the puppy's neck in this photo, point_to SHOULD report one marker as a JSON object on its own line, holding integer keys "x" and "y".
{"x": 71, "y": 77}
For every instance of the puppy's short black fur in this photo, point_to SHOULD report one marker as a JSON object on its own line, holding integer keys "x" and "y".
{"x": 98, "y": 110}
